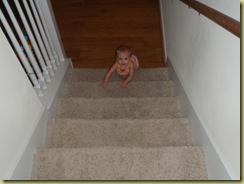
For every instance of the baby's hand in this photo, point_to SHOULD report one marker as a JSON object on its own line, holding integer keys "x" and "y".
{"x": 104, "y": 85}
{"x": 123, "y": 86}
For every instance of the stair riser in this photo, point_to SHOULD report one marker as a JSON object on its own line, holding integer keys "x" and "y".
{"x": 107, "y": 108}
{"x": 134, "y": 89}
{"x": 70, "y": 133}
{"x": 97, "y": 75}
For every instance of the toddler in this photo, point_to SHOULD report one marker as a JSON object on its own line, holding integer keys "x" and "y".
{"x": 125, "y": 65}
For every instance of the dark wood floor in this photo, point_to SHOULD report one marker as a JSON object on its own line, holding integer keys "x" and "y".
{"x": 92, "y": 29}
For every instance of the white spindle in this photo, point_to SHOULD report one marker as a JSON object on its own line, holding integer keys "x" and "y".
{"x": 25, "y": 44}
{"x": 22, "y": 56}
{"x": 43, "y": 35}
{"x": 47, "y": 32}
{"x": 33, "y": 42}
{"x": 38, "y": 37}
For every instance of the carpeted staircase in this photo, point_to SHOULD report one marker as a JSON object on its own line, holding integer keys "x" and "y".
{"x": 136, "y": 134}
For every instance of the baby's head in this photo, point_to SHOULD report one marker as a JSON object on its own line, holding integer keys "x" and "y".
{"x": 123, "y": 54}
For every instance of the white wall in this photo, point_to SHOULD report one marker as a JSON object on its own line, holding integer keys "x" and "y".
{"x": 24, "y": 116}
{"x": 20, "y": 108}
{"x": 206, "y": 59}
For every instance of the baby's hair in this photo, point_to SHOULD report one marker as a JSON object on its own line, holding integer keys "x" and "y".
{"x": 122, "y": 48}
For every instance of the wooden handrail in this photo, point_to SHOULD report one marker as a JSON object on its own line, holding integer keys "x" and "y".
{"x": 221, "y": 19}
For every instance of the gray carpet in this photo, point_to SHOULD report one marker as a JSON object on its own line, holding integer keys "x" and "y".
{"x": 108, "y": 134}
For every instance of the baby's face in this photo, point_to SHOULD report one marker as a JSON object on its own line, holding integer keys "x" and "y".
{"x": 123, "y": 58}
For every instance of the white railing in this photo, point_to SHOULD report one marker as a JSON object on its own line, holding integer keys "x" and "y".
{"x": 28, "y": 33}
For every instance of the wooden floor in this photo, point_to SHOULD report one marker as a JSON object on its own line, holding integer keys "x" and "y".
{"x": 92, "y": 29}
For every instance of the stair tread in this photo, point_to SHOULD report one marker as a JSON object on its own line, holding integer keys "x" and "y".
{"x": 105, "y": 108}
{"x": 134, "y": 89}
{"x": 142, "y": 74}
{"x": 118, "y": 132}
{"x": 116, "y": 163}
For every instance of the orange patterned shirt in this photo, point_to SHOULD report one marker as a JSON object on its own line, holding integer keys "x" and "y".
{"x": 121, "y": 71}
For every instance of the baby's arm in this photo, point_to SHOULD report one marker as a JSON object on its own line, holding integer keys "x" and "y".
{"x": 108, "y": 75}
{"x": 129, "y": 78}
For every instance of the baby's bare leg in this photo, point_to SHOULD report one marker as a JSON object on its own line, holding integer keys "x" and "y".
{"x": 135, "y": 61}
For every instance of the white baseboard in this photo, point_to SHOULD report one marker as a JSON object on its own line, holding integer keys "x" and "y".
{"x": 23, "y": 168}
{"x": 215, "y": 167}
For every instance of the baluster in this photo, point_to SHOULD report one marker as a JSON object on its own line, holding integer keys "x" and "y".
{"x": 25, "y": 44}
{"x": 22, "y": 56}
{"x": 43, "y": 35}
{"x": 33, "y": 42}
{"x": 47, "y": 32}
{"x": 38, "y": 37}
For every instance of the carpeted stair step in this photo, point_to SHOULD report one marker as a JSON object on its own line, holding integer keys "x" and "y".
{"x": 96, "y": 75}
{"x": 108, "y": 134}
{"x": 111, "y": 163}
{"x": 108, "y": 108}
{"x": 134, "y": 89}
{"x": 118, "y": 132}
